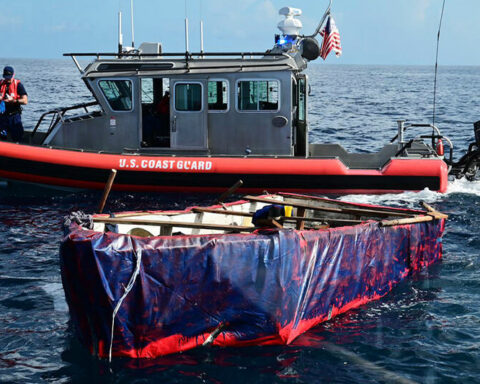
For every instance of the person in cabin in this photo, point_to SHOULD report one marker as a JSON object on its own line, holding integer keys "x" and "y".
{"x": 162, "y": 111}
{"x": 163, "y": 106}
{"x": 13, "y": 96}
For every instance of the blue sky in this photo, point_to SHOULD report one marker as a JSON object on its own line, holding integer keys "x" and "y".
{"x": 372, "y": 31}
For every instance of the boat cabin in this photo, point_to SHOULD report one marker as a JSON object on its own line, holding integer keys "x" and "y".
{"x": 192, "y": 105}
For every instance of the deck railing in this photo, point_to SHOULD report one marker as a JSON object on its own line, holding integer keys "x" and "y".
{"x": 58, "y": 114}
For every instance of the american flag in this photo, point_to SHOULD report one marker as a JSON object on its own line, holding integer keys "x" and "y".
{"x": 331, "y": 39}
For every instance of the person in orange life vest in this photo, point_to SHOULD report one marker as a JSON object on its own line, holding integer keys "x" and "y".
{"x": 13, "y": 95}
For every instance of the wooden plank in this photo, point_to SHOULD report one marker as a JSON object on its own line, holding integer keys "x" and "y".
{"x": 107, "y": 189}
{"x": 410, "y": 220}
{"x": 222, "y": 212}
{"x": 230, "y": 191}
{"x": 433, "y": 212}
{"x": 128, "y": 221}
{"x": 354, "y": 211}
{"x": 301, "y": 223}
{"x": 322, "y": 219}
{"x": 348, "y": 204}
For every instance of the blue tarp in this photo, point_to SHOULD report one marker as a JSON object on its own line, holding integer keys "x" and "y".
{"x": 261, "y": 288}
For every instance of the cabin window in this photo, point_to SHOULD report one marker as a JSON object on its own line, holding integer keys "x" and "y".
{"x": 217, "y": 95}
{"x": 188, "y": 97}
{"x": 302, "y": 105}
{"x": 118, "y": 94}
{"x": 258, "y": 95}
{"x": 147, "y": 91}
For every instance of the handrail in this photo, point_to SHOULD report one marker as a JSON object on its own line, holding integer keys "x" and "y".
{"x": 405, "y": 127}
{"x": 173, "y": 54}
{"x": 402, "y": 128}
{"x": 58, "y": 114}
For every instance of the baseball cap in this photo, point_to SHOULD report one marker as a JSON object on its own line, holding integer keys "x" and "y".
{"x": 8, "y": 72}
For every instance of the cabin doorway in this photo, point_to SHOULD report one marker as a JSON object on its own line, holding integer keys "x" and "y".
{"x": 155, "y": 99}
{"x": 188, "y": 119}
{"x": 301, "y": 124}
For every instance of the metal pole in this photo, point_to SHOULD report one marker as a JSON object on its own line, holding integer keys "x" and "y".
{"x": 133, "y": 29}
{"x": 186, "y": 35}
{"x": 120, "y": 36}
{"x": 401, "y": 124}
{"x": 201, "y": 37}
{"x": 327, "y": 12}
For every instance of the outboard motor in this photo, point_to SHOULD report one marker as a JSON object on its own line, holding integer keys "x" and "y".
{"x": 476, "y": 130}
{"x": 469, "y": 165}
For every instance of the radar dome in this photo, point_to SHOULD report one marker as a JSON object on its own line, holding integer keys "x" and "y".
{"x": 290, "y": 25}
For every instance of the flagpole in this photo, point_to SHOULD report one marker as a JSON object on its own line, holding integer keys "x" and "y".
{"x": 325, "y": 15}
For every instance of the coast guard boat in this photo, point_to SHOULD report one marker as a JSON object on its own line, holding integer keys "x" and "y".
{"x": 198, "y": 122}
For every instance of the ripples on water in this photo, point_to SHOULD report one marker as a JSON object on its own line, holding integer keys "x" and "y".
{"x": 426, "y": 330}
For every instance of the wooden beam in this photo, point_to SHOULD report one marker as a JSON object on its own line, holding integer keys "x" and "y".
{"x": 410, "y": 220}
{"x": 128, "y": 221}
{"x": 322, "y": 219}
{"x": 301, "y": 223}
{"x": 229, "y": 191}
{"x": 107, "y": 189}
{"x": 433, "y": 212}
{"x": 353, "y": 211}
{"x": 348, "y": 204}
{"x": 222, "y": 212}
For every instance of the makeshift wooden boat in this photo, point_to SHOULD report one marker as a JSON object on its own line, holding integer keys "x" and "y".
{"x": 145, "y": 284}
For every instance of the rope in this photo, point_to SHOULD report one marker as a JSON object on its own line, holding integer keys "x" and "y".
{"x": 128, "y": 288}
{"x": 436, "y": 64}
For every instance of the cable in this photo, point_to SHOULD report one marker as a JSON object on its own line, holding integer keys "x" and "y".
{"x": 436, "y": 64}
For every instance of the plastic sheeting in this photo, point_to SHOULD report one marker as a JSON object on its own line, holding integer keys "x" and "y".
{"x": 231, "y": 289}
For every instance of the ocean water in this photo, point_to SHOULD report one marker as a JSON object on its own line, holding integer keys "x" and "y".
{"x": 427, "y": 330}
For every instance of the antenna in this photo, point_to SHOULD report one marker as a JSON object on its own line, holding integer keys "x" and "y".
{"x": 436, "y": 65}
{"x": 201, "y": 29}
{"x": 186, "y": 34}
{"x": 201, "y": 37}
{"x": 186, "y": 28}
{"x": 133, "y": 29}
{"x": 120, "y": 36}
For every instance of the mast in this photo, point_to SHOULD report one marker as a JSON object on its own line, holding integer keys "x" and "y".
{"x": 133, "y": 29}
{"x": 120, "y": 36}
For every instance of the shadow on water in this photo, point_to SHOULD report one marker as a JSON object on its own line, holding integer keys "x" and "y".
{"x": 347, "y": 348}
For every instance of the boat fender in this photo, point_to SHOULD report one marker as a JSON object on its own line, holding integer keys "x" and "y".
{"x": 439, "y": 148}
{"x": 310, "y": 48}
{"x": 271, "y": 212}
